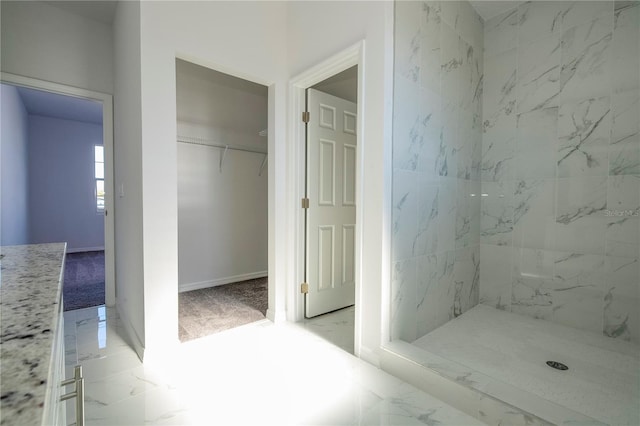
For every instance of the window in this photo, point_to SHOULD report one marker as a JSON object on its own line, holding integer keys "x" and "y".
{"x": 99, "y": 177}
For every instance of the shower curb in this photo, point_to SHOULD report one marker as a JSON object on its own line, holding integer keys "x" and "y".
{"x": 490, "y": 401}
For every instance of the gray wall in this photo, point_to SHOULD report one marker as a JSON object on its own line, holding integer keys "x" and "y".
{"x": 437, "y": 137}
{"x": 14, "y": 227}
{"x": 48, "y": 43}
{"x": 222, "y": 215}
{"x": 561, "y": 165}
{"x": 62, "y": 204}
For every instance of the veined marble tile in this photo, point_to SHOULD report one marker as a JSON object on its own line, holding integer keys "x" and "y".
{"x": 408, "y": 125}
{"x": 470, "y": 26}
{"x": 584, "y": 129}
{"x": 578, "y": 298}
{"x": 425, "y": 409}
{"x": 407, "y": 40}
{"x": 580, "y": 12}
{"x": 540, "y": 19}
{"x": 586, "y": 60}
{"x": 496, "y": 221}
{"x": 622, "y": 297}
{"x": 495, "y": 277}
{"x": 430, "y": 46}
{"x": 447, "y": 207}
{"x": 498, "y": 156}
{"x": 451, "y": 13}
{"x": 539, "y": 74}
{"x": 403, "y": 300}
{"x": 447, "y": 162}
{"x": 499, "y": 88}
{"x": 580, "y": 217}
{"x": 405, "y": 214}
{"x": 466, "y": 280}
{"x": 471, "y": 78}
{"x": 536, "y": 144}
{"x": 426, "y": 239}
{"x": 428, "y": 295}
{"x": 626, "y": 45}
{"x": 452, "y": 60}
{"x": 467, "y": 213}
{"x": 623, "y": 215}
{"x": 446, "y": 286}
{"x": 501, "y": 33}
{"x": 533, "y": 283}
{"x": 467, "y": 139}
{"x": 624, "y": 151}
{"x": 534, "y": 219}
{"x": 431, "y": 126}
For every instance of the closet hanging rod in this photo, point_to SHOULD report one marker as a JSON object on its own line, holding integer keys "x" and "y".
{"x": 203, "y": 142}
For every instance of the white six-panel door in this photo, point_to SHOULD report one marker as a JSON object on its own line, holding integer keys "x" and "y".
{"x": 331, "y": 186}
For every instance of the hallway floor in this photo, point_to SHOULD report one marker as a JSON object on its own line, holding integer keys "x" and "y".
{"x": 256, "y": 374}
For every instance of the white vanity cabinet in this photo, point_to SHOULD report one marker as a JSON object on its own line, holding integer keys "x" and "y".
{"x": 32, "y": 337}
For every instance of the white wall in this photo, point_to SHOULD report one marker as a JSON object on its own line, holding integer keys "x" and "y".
{"x": 62, "y": 203}
{"x": 14, "y": 226}
{"x": 222, "y": 215}
{"x": 128, "y": 172}
{"x": 246, "y": 39}
{"x": 48, "y": 43}
{"x": 251, "y": 40}
{"x": 331, "y": 27}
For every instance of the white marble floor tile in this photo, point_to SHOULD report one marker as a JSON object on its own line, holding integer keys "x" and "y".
{"x": 264, "y": 374}
{"x": 335, "y": 327}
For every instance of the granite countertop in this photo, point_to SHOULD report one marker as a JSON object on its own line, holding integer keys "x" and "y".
{"x": 30, "y": 306}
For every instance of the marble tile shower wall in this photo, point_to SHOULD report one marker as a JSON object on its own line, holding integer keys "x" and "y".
{"x": 437, "y": 147}
{"x": 560, "y": 164}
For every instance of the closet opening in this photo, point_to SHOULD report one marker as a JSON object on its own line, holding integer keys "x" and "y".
{"x": 222, "y": 200}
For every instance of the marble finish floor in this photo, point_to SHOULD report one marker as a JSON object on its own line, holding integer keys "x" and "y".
{"x": 335, "y": 327}
{"x": 257, "y": 374}
{"x": 602, "y": 381}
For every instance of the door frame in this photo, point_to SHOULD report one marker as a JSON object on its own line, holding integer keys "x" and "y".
{"x": 107, "y": 140}
{"x": 347, "y": 58}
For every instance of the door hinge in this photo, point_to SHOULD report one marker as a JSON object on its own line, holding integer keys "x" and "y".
{"x": 304, "y": 288}
{"x": 306, "y": 116}
{"x": 305, "y": 203}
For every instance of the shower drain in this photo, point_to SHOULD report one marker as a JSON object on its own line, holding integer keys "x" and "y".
{"x": 557, "y": 365}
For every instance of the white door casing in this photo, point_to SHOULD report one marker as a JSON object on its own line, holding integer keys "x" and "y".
{"x": 331, "y": 189}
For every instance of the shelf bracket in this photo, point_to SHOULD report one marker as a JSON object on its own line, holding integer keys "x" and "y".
{"x": 222, "y": 155}
{"x": 264, "y": 161}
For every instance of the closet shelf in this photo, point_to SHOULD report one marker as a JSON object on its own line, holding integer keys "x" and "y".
{"x": 225, "y": 148}
{"x": 212, "y": 144}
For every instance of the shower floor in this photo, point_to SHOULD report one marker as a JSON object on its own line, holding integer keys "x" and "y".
{"x": 603, "y": 379}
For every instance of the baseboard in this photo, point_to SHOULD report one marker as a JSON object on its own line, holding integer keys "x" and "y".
{"x": 131, "y": 334}
{"x": 369, "y": 355}
{"x": 221, "y": 281}
{"x": 84, "y": 249}
{"x": 276, "y": 316}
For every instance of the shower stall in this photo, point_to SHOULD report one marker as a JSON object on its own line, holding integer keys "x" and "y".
{"x": 515, "y": 287}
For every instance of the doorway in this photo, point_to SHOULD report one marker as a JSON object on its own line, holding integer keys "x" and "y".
{"x": 66, "y": 178}
{"x": 222, "y": 200}
{"x": 330, "y": 208}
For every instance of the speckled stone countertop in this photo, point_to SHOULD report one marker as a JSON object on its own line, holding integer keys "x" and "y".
{"x": 30, "y": 304}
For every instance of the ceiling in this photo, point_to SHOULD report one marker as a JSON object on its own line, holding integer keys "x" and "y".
{"x": 343, "y": 85}
{"x": 490, "y": 9}
{"x": 38, "y": 102}
{"x": 98, "y": 10}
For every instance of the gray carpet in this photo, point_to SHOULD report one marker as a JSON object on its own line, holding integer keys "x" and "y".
{"x": 211, "y": 310}
{"x": 83, "y": 280}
